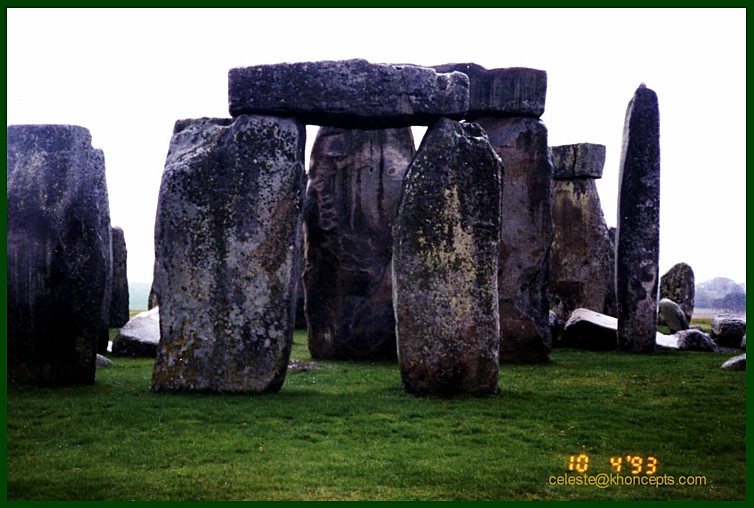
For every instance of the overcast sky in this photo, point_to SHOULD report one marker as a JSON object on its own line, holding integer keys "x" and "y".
{"x": 128, "y": 75}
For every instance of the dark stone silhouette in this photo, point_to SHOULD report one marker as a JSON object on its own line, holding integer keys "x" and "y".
{"x": 355, "y": 179}
{"x": 227, "y": 239}
{"x": 587, "y": 329}
{"x": 349, "y": 93}
{"x": 678, "y": 285}
{"x": 59, "y": 247}
{"x": 445, "y": 264}
{"x": 119, "y": 296}
{"x": 638, "y": 234}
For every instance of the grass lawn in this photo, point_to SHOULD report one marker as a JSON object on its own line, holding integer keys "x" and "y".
{"x": 349, "y": 431}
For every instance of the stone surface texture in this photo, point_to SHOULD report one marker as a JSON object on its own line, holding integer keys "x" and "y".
{"x": 580, "y": 264}
{"x": 140, "y": 336}
{"x": 58, "y": 255}
{"x": 678, "y": 284}
{"x": 526, "y": 235}
{"x": 582, "y": 160}
{"x": 349, "y": 93}
{"x": 355, "y": 182}
{"x": 119, "y": 295}
{"x": 445, "y": 264}
{"x": 514, "y": 91}
{"x": 695, "y": 340}
{"x": 728, "y": 331}
{"x": 671, "y": 314}
{"x": 638, "y": 233}
{"x": 227, "y": 239}
{"x": 587, "y": 329}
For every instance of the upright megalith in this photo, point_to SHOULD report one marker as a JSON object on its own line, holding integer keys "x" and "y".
{"x": 445, "y": 264}
{"x": 59, "y": 247}
{"x": 119, "y": 295}
{"x": 349, "y": 93}
{"x": 227, "y": 243}
{"x": 580, "y": 271}
{"x": 679, "y": 286}
{"x": 638, "y": 233}
{"x": 507, "y": 104}
{"x": 355, "y": 181}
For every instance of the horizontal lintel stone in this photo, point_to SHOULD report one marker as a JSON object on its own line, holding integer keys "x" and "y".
{"x": 514, "y": 91}
{"x": 349, "y": 93}
{"x": 582, "y": 160}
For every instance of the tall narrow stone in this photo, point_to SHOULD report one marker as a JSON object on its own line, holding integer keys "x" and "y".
{"x": 526, "y": 234}
{"x": 445, "y": 264}
{"x": 227, "y": 240}
{"x": 638, "y": 233}
{"x": 355, "y": 180}
{"x": 580, "y": 271}
{"x": 119, "y": 299}
{"x": 59, "y": 247}
{"x": 678, "y": 285}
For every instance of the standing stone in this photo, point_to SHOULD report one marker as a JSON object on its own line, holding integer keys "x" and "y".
{"x": 119, "y": 296}
{"x": 59, "y": 247}
{"x": 226, "y": 254}
{"x": 349, "y": 93}
{"x": 638, "y": 234}
{"x": 610, "y": 295}
{"x": 579, "y": 262}
{"x": 526, "y": 235}
{"x": 445, "y": 264}
{"x": 355, "y": 180}
{"x": 678, "y": 285}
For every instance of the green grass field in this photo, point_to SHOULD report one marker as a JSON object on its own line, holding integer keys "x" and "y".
{"x": 348, "y": 431}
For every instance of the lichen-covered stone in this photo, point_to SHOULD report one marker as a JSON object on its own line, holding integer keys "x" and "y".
{"x": 728, "y": 331}
{"x": 349, "y": 93}
{"x": 638, "y": 233}
{"x": 355, "y": 181}
{"x": 579, "y": 262}
{"x": 227, "y": 239}
{"x": 59, "y": 246}
{"x": 526, "y": 235}
{"x": 678, "y": 285}
{"x": 119, "y": 306}
{"x": 445, "y": 264}
{"x": 513, "y": 91}
{"x": 583, "y": 160}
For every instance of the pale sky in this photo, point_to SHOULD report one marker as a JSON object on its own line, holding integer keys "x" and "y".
{"x": 128, "y": 74}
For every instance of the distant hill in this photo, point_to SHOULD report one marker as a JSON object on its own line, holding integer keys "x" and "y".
{"x": 720, "y": 293}
{"x": 138, "y": 294}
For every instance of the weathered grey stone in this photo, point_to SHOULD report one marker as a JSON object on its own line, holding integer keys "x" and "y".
{"x": 140, "y": 336}
{"x": 526, "y": 235}
{"x": 678, "y": 285}
{"x": 227, "y": 239}
{"x": 59, "y": 245}
{"x": 103, "y": 362}
{"x": 611, "y": 305}
{"x": 445, "y": 264}
{"x": 514, "y": 91}
{"x": 671, "y": 314}
{"x": 735, "y": 363}
{"x": 152, "y": 298}
{"x": 349, "y": 93}
{"x": 694, "y": 340}
{"x": 587, "y": 329}
{"x": 584, "y": 160}
{"x": 638, "y": 234}
{"x": 119, "y": 295}
{"x": 355, "y": 181}
{"x": 579, "y": 258}
{"x": 728, "y": 331}
{"x": 743, "y": 343}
